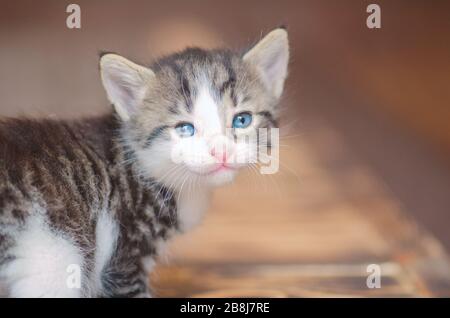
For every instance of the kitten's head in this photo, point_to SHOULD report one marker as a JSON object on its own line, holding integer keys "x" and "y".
{"x": 184, "y": 118}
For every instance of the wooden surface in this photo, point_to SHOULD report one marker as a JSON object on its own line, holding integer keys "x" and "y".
{"x": 309, "y": 231}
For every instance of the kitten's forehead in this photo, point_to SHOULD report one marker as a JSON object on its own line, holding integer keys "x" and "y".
{"x": 206, "y": 112}
{"x": 189, "y": 71}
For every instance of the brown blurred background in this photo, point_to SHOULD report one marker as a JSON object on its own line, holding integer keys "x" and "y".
{"x": 368, "y": 113}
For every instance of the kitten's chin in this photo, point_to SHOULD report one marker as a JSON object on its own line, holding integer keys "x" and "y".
{"x": 221, "y": 177}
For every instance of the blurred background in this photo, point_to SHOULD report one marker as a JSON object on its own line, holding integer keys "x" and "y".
{"x": 365, "y": 173}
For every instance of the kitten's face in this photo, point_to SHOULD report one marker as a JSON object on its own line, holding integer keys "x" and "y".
{"x": 193, "y": 118}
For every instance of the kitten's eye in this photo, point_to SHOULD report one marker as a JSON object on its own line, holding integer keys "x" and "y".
{"x": 242, "y": 120}
{"x": 185, "y": 130}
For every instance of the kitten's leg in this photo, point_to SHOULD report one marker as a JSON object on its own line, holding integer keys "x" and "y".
{"x": 128, "y": 286}
{"x": 6, "y": 242}
{"x": 42, "y": 263}
{"x": 126, "y": 281}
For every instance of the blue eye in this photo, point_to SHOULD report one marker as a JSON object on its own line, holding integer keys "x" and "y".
{"x": 242, "y": 120}
{"x": 185, "y": 130}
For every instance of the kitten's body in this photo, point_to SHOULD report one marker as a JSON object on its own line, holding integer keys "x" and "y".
{"x": 69, "y": 179}
{"x": 99, "y": 197}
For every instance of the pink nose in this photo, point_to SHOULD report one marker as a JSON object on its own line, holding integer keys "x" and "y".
{"x": 219, "y": 153}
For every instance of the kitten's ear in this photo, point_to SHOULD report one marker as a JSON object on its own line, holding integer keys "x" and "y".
{"x": 125, "y": 83}
{"x": 270, "y": 56}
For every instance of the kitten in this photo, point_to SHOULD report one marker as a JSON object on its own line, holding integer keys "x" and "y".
{"x": 99, "y": 197}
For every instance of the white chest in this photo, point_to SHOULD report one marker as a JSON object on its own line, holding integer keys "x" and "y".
{"x": 192, "y": 206}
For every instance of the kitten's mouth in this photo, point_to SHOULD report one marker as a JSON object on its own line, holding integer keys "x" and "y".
{"x": 219, "y": 168}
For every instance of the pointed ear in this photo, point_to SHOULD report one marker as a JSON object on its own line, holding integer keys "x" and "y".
{"x": 270, "y": 56}
{"x": 125, "y": 83}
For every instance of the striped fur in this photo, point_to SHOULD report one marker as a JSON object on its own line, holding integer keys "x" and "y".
{"x": 74, "y": 170}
